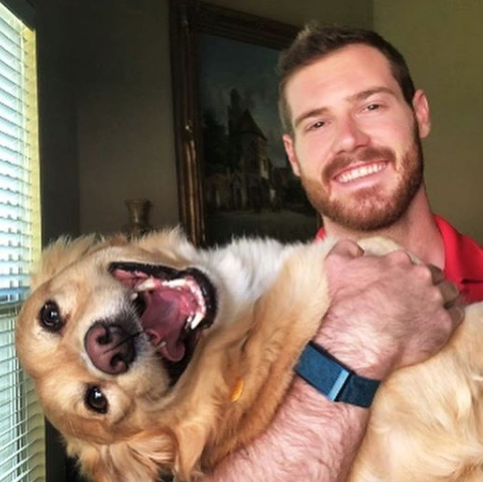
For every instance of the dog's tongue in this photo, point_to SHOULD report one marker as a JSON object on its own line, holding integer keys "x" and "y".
{"x": 166, "y": 311}
{"x": 164, "y": 320}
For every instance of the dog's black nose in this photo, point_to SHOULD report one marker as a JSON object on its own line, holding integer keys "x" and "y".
{"x": 110, "y": 347}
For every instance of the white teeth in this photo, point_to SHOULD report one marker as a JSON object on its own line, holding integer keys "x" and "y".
{"x": 149, "y": 284}
{"x": 162, "y": 344}
{"x": 360, "y": 172}
{"x": 197, "y": 317}
{"x": 175, "y": 283}
{"x": 195, "y": 320}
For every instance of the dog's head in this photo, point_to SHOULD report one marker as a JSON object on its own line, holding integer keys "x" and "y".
{"x": 107, "y": 333}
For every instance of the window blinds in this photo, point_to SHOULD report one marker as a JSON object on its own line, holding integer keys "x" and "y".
{"x": 22, "y": 445}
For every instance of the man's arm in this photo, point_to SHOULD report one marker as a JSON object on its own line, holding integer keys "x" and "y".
{"x": 385, "y": 313}
{"x": 311, "y": 439}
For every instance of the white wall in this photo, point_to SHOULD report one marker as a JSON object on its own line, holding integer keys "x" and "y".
{"x": 125, "y": 138}
{"x": 442, "y": 41}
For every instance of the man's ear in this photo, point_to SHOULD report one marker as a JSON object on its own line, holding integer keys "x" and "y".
{"x": 421, "y": 110}
{"x": 289, "y": 145}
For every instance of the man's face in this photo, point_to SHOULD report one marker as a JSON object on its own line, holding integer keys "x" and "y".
{"x": 356, "y": 143}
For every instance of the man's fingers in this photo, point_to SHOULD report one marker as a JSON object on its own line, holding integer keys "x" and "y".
{"x": 347, "y": 249}
{"x": 436, "y": 274}
{"x": 457, "y": 313}
{"x": 449, "y": 291}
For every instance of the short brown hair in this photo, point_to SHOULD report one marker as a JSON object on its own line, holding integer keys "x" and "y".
{"x": 315, "y": 41}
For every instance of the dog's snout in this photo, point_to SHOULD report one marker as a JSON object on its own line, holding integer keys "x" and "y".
{"x": 110, "y": 347}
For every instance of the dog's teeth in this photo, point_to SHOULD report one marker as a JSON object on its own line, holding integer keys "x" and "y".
{"x": 195, "y": 320}
{"x": 162, "y": 344}
{"x": 134, "y": 295}
{"x": 149, "y": 284}
{"x": 175, "y": 283}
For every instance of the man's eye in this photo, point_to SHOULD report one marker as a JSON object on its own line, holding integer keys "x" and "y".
{"x": 372, "y": 107}
{"x": 317, "y": 125}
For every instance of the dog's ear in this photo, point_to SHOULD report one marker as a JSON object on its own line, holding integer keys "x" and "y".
{"x": 191, "y": 439}
{"x": 143, "y": 458}
{"x": 171, "y": 241}
{"x": 59, "y": 255}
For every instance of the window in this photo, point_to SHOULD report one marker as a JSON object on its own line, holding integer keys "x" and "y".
{"x": 22, "y": 446}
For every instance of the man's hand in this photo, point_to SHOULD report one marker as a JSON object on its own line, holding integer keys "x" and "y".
{"x": 386, "y": 312}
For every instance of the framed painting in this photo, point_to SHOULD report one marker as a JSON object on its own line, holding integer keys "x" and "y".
{"x": 234, "y": 177}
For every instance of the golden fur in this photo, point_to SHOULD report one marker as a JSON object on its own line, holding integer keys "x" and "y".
{"x": 426, "y": 422}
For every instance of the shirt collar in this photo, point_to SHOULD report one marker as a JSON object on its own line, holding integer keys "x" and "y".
{"x": 463, "y": 256}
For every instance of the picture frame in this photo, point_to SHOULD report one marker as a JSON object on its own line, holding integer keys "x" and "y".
{"x": 233, "y": 177}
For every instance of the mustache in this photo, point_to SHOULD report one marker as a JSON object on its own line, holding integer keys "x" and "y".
{"x": 367, "y": 154}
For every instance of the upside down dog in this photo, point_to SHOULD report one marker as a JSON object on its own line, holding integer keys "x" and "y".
{"x": 137, "y": 348}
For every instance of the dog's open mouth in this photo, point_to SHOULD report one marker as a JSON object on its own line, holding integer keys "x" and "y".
{"x": 173, "y": 307}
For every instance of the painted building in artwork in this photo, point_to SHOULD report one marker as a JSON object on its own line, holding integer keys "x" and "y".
{"x": 244, "y": 179}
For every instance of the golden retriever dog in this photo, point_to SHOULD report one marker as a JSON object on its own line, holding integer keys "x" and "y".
{"x": 151, "y": 357}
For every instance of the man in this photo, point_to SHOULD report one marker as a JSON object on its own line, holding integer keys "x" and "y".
{"x": 354, "y": 124}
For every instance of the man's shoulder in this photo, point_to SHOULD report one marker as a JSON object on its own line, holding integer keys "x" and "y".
{"x": 463, "y": 260}
{"x": 460, "y": 245}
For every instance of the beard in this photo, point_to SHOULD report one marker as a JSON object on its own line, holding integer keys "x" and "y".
{"x": 370, "y": 209}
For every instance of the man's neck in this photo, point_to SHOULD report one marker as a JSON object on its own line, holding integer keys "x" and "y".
{"x": 416, "y": 231}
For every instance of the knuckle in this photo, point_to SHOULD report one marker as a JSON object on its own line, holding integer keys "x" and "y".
{"x": 436, "y": 298}
{"x": 456, "y": 314}
{"x": 424, "y": 273}
{"x": 449, "y": 290}
{"x": 346, "y": 249}
{"x": 345, "y": 243}
{"x": 453, "y": 289}
{"x": 400, "y": 257}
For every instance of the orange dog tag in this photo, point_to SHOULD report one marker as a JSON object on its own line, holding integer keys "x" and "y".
{"x": 238, "y": 390}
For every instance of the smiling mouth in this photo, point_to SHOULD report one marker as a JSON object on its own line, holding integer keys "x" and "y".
{"x": 359, "y": 172}
{"x": 173, "y": 307}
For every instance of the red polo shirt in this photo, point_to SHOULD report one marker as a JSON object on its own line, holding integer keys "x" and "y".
{"x": 463, "y": 260}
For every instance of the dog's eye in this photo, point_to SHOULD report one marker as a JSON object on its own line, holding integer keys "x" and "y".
{"x": 95, "y": 400}
{"x": 50, "y": 316}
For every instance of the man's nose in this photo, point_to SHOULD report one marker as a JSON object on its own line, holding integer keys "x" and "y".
{"x": 349, "y": 135}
